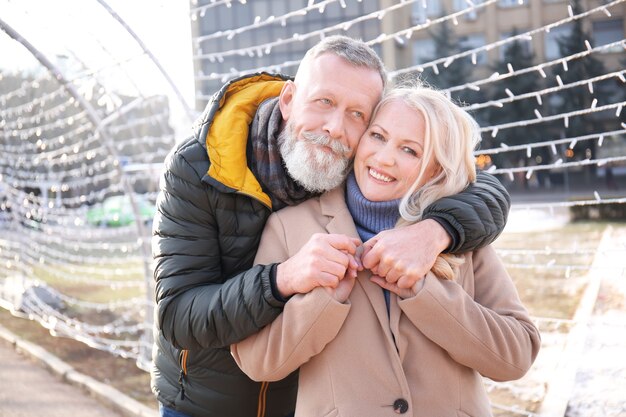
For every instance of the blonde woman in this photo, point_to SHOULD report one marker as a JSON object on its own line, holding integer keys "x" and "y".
{"x": 414, "y": 345}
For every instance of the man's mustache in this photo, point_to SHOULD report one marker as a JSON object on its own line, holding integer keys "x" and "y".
{"x": 324, "y": 140}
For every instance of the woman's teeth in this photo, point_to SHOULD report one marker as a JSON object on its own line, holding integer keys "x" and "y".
{"x": 379, "y": 176}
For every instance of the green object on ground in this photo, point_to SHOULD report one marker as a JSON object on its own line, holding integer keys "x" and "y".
{"x": 117, "y": 211}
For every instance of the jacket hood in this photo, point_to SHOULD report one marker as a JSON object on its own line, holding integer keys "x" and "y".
{"x": 225, "y": 125}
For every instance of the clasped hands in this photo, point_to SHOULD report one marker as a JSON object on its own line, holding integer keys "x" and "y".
{"x": 398, "y": 258}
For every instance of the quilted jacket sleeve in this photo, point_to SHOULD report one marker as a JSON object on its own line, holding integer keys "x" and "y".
{"x": 475, "y": 217}
{"x": 200, "y": 302}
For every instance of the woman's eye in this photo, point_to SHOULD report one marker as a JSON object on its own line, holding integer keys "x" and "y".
{"x": 377, "y": 136}
{"x": 409, "y": 151}
{"x": 325, "y": 101}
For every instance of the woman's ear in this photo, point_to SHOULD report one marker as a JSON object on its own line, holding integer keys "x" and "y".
{"x": 285, "y": 99}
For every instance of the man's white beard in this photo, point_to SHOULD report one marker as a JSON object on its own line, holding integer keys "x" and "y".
{"x": 313, "y": 168}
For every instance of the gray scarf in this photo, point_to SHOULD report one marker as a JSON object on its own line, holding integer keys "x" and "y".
{"x": 265, "y": 161}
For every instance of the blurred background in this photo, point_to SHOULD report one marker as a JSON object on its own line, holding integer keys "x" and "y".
{"x": 94, "y": 94}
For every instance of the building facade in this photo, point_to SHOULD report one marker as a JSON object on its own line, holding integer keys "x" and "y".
{"x": 233, "y": 37}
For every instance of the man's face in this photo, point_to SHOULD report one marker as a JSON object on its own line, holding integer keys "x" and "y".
{"x": 326, "y": 111}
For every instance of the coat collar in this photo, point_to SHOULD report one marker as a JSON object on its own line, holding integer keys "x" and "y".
{"x": 333, "y": 205}
{"x": 226, "y": 127}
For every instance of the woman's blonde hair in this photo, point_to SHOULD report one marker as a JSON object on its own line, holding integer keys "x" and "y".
{"x": 450, "y": 138}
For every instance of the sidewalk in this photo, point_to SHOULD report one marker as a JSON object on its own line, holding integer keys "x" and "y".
{"x": 600, "y": 383}
{"x": 27, "y": 389}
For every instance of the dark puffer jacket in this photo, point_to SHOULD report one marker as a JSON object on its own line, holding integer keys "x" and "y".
{"x": 205, "y": 236}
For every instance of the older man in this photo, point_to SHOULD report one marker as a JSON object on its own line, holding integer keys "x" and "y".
{"x": 265, "y": 142}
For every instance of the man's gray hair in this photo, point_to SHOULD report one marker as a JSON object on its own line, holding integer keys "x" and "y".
{"x": 354, "y": 51}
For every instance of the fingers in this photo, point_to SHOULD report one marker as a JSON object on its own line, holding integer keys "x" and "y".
{"x": 330, "y": 248}
{"x": 394, "y": 254}
{"x": 407, "y": 281}
{"x": 325, "y": 279}
{"x": 323, "y": 261}
{"x": 371, "y": 253}
{"x": 380, "y": 281}
{"x": 341, "y": 242}
{"x": 343, "y": 289}
{"x": 354, "y": 265}
{"x": 394, "y": 288}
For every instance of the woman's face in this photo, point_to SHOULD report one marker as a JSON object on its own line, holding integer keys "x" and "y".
{"x": 389, "y": 155}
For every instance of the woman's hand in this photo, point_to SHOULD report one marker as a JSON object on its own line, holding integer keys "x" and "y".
{"x": 394, "y": 288}
{"x": 343, "y": 289}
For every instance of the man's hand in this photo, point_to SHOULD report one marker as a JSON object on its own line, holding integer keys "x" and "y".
{"x": 322, "y": 262}
{"x": 404, "y": 255}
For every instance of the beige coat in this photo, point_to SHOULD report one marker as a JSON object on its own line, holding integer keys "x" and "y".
{"x": 426, "y": 357}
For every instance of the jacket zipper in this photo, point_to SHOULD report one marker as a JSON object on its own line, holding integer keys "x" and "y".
{"x": 262, "y": 399}
{"x": 182, "y": 358}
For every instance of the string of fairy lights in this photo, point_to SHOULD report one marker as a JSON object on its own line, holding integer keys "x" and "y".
{"x": 407, "y": 33}
{"x": 56, "y": 171}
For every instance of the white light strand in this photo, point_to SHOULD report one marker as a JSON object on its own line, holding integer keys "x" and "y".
{"x": 551, "y": 143}
{"x": 39, "y": 129}
{"x": 561, "y": 164}
{"x": 568, "y": 204}
{"x": 497, "y": 44}
{"x": 551, "y": 118}
{"x": 8, "y": 145}
{"x": 121, "y": 347}
{"x": 71, "y": 154}
{"x": 535, "y": 94}
{"x": 515, "y": 410}
{"x": 53, "y": 96}
{"x": 22, "y": 90}
{"x": 259, "y": 49}
{"x": 282, "y": 20}
{"x": 547, "y": 252}
{"x": 280, "y": 67}
{"x": 194, "y": 11}
{"x": 62, "y": 276}
{"x": 49, "y": 236}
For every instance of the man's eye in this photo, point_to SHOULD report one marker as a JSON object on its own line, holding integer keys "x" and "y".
{"x": 359, "y": 115}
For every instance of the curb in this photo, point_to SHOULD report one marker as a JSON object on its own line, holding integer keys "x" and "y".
{"x": 104, "y": 393}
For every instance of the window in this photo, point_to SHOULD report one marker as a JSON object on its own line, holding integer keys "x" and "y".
{"x": 459, "y": 5}
{"x": 511, "y": 3}
{"x": 260, "y": 9}
{"x": 608, "y": 31}
{"x": 423, "y": 51}
{"x": 552, "y": 50}
{"x": 526, "y": 44}
{"x": 425, "y": 9}
{"x": 475, "y": 41}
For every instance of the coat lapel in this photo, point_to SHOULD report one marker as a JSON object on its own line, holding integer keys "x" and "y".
{"x": 333, "y": 205}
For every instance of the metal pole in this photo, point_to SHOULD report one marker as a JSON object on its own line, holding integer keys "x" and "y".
{"x": 151, "y": 56}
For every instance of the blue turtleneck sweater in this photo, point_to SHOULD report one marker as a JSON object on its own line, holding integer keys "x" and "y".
{"x": 370, "y": 217}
